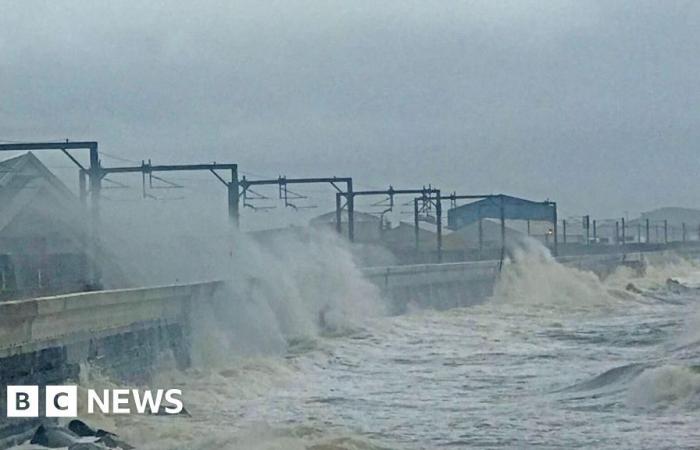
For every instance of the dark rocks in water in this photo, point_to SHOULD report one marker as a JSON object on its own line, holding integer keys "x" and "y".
{"x": 676, "y": 287}
{"x": 632, "y": 288}
{"x": 84, "y": 430}
{"x": 100, "y": 432}
{"x": 81, "y": 428}
{"x": 162, "y": 412}
{"x": 670, "y": 282}
{"x": 54, "y": 437}
{"x": 86, "y": 446}
{"x": 111, "y": 441}
{"x": 106, "y": 438}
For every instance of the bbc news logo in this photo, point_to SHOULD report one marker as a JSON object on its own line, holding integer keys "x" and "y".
{"x": 62, "y": 401}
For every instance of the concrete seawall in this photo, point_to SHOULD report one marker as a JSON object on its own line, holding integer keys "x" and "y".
{"x": 459, "y": 284}
{"x": 122, "y": 332}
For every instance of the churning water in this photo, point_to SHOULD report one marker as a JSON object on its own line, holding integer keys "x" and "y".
{"x": 556, "y": 359}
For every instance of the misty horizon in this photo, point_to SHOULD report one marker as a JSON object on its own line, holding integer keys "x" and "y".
{"x": 588, "y": 104}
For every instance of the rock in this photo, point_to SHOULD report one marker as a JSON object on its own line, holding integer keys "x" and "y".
{"x": 86, "y": 446}
{"x": 54, "y": 437}
{"x": 112, "y": 442}
{"x": 81, "y": 428}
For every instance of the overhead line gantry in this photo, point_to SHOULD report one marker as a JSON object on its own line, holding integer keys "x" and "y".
{"x": 146, "y": 168}
{"x": 427, "y": 194}
{"x": 283, "y": 181}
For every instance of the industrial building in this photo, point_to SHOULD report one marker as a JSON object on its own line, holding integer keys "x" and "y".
{"x": 43, "y": 233}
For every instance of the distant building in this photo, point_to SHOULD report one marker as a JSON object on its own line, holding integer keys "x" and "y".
{"x": 366, "y": 226}
{"x": 677, "y": 220}
{"x": 674, "y": 216}
{"x": 403, "y": 236}
{"x": 43, "y": 232}
{"x": 468, "y": 236}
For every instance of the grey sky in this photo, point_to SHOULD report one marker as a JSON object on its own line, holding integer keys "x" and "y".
{"x": 590, "y": 103}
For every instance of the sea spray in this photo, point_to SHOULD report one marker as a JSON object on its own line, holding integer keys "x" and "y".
{"x": 285, "y": 291}
{"x": 664, "y": 387}
{"x": 531, "y": 276}
{"x": 281, "y": 298}
{"x": 658, "y": 269}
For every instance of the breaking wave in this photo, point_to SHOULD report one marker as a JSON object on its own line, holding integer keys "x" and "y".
{"x": 614, "y": 377}
{"x": 665, "y": 387}
{"x": 531, "y": 276}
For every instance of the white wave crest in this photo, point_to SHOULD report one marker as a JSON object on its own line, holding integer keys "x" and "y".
{"x": 664, "y": 387}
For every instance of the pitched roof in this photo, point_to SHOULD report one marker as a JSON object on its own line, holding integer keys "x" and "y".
{"x": 24, "y": 178}
{"x": 512, "y": 208}
{"x": 329, "y": 217}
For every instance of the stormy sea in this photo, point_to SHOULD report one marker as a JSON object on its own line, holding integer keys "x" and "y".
{"x": 555, "y": 358}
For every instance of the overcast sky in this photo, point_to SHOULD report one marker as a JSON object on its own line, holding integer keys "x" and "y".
{"x": 593, "y": 104}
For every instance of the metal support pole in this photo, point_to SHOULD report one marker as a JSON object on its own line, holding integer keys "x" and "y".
{"x": 563, "y": 229}
{"x": 481, "y": 237}
{"x": 587, "y": 225}
{"x": 528, "y": 227}
{"x": 595, "y": 231}
{"x": 624, "y": 235}
{"x": 95, "y": 190}
{"x": 554, "y": 220}
{"x": 647, "y": 231}
{"x": 438, "y": 216}
{"x": 86, "y": 236}
{"x": 665, "y": 231}
{"x": 415, "y": 224}
{"x": 234, "y": 198}
{"x": 683, "y": 231}
{"x": 639, "y": 232}
{"x": 338, "y": 213}
{"x": 351, "y": 211}
{"x": 617, "y": 232}
{"x": 82, "y": 183}
{"x": 503, "y": 228}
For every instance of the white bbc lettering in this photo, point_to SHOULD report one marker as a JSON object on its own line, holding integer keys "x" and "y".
{"x": 173, "y": 396}
{"x": 147, "y": 400}
{"x": 22, "y": 401}
{"x": 120, "y": 401}
{"x": 61, "y": 401}
{"x": 101, "y": 402}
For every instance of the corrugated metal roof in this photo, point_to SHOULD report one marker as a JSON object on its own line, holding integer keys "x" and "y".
{"x": 514, "y": 208}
